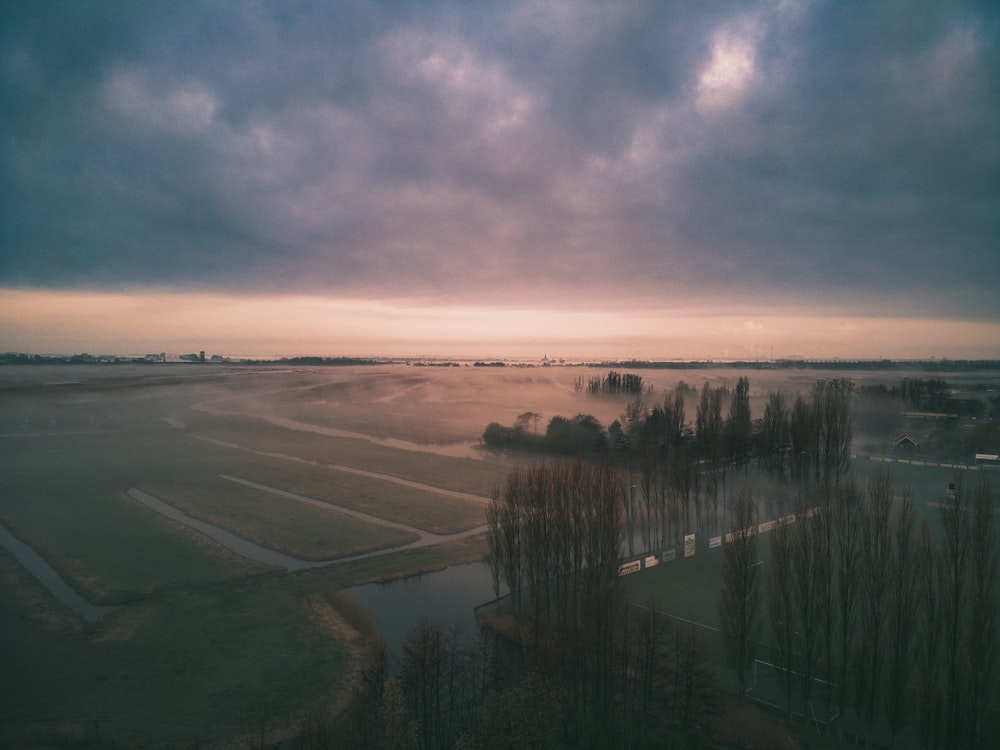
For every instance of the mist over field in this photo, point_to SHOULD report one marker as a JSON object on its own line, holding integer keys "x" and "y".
{"x": 185, "y": 516}
{"x": 450, "y": 374}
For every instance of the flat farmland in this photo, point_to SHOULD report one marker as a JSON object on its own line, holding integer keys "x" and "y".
{"x": 295, "y": 528}
{"x": 281, "y": 457}
{"x": 262, "y": 440}
{"x": 321, "y": 464}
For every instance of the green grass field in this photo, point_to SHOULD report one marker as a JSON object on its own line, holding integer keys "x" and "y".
{"x": 294, "y": 528}
{"x": 476, "y": 477}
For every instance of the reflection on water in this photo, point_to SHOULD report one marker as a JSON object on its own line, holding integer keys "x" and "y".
{"x": 47, "y": 576}
{"x": 448, "y": 597}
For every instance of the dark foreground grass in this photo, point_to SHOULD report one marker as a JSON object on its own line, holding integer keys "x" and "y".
{"x": 184, "y": 668}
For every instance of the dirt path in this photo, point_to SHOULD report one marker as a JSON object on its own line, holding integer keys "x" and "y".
{"x": 453, "y": 450}
{"x": 251, "y": 551}
{"x": 350, "y": 470}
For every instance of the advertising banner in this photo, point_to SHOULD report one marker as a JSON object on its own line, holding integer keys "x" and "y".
{"x": 630, "y": 567}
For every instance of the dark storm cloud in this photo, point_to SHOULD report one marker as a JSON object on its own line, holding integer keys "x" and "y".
{"x": 459, "y": 151}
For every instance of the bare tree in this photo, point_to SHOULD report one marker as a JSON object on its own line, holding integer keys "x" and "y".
{"x": 781, "y": 606}
{"x": 846, "y": 524}
{"x": 952, "y": 568}
{"x": 806, "y": 598}
{"x": 928, "y": 639}
{"x": 834, "y": 430}
{"x": 773, "y": 436}
{"x": 803, "y": 439}
{"x": 398, "y": 732}
{"x": 651, "y": 649}
{"x": 694, "y": 696}
{"x": 527, "y": 418}
{"x": 902, "y": 615}
{"x": 422, "y": 678}
{"x": 983, "y": 606}
{"x": 739, "y": 424}
{"x": 823, "y": 542}
{"x": 740, "y": 596}
{"x": 711, "y": 444}
{"x": 494, "y": 539}
{"x": 874, "y": 586}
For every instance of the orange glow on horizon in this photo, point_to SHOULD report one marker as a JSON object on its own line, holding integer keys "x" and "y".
{"x": 137, "y": 323}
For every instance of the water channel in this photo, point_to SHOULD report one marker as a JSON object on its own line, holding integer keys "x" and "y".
{"x": 46, "y": 575}
{"x": 447, "y": 597}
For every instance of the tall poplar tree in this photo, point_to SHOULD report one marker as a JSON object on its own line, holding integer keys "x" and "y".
{"x": 740, "y": 596}
{"x": 781, "y": 607}
{"x": 902, "y": 615}
{"x": 983, "y": 605}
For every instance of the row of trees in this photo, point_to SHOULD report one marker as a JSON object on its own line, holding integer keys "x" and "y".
{"x": 555, "y": 536}
{"x": 582, "y": 435}
{"x": 612, "y": 384}
{"x": 579, "y": 666}
{"x": 680, "y": 469}
{"x": 625, "y": 674}
{"x": 683, "y": 476}
{"x": 900, "y": 628}
{"x": 808, "y": 437}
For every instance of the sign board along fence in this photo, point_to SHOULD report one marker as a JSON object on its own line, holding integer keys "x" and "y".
{"x": 633, "y": 566}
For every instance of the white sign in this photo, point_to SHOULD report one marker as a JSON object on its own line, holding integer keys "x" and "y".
{"x": 652, "y": 560}
{"x": 715, "y": 541}
{"x": 688, "y": 545}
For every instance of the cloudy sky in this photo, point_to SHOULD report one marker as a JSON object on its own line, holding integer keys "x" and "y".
{"x": 651, "y": 179}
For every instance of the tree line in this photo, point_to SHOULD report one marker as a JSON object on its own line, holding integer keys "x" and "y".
{"x": 808, "y": 436}
{"x": 613, "y": 384}
{"x": 900, "y": 624}
{"x": 900, "y": 629}
{"x": 678, "y": 471}
{"x": 626, "y": 675}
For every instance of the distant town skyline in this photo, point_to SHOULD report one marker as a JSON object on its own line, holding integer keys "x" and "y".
{"x": 583, "y": 179}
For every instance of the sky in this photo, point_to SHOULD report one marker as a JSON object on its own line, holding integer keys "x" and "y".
{"x": 656, "y": 180}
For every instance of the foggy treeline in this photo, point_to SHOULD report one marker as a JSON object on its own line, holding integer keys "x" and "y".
{"x": 880, "y": 411}
{"x": 678, "y": 472}
{"x": 870, "y": 621}
{"x": 873, "y": 624}
{"x": 612, "y": 384}
{"x": 877, "y": 630}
